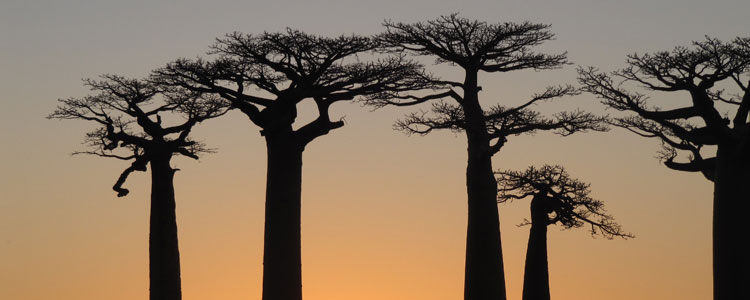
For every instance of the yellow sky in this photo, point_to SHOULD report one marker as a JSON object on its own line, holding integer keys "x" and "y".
{"x": 384, "y": 214}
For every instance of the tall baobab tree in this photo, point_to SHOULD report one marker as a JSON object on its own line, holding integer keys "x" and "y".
{"x": 475, "y": 46}
{"x": 129, "y": 115}
{"x": 556, "y": 198}
{"x": 266, "y": 76}
{"x": 708, "y": 120}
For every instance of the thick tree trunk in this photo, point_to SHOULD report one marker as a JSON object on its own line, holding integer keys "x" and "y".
{"x": 164, "y": 254}
{"x": 282, "y": 262}
{"x": 484, "y": 274}
{"x": 730, "y": 251}
{"x": 536, "y": 272}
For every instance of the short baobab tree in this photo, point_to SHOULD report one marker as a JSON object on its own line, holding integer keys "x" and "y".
{"x": 474, "y": 47}
{"x": 556, "y": 198}
{"x": 707, "y": 119}
{"x": 132, "y": 117}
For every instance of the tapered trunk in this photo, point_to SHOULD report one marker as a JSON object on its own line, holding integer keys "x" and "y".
{"x": 164, "y": 254}
{"x": 484, "y": 276}
{"x": 731, "y": 265}
{"x": 282, "y": 262}
{"x": 536, "y": 272}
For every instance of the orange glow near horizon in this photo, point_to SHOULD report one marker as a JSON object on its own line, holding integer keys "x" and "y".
{"x": 387, "y": 232}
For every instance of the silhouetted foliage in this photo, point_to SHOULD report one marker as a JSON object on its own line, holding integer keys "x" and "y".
{"x": 502, "y": 122}
{"x": 566, "y": 200}
{"x": 712, "y": 78}
{"x": 556, "y": 199}
{"x": 266, "y": 76}
{"x": 476, "y": 46}
{"x": 286, "y": 68}
{"x": 129, "y": 115}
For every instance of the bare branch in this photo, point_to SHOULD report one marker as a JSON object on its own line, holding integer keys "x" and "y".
{"x": 138, "y": 165}
{"x": 446, "y": 116}
{"x": 396, "y": 100}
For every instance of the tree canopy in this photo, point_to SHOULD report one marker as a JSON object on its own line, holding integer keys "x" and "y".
{"x": 133, "y": 117}
{"x": 267, "y": 75}
{"x": 567, "y": 200}
{"x": 714, "y": 76}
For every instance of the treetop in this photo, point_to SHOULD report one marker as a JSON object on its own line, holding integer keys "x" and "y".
{"x": 567, "y": 199}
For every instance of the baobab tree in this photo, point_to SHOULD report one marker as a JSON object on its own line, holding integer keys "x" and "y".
{"x": 556, "y": 198}
{"x": 708, "y": 120}
{"x": 266, "y": 76}
{"x": 129, "y": 113}
{"x": 475, "y": 46}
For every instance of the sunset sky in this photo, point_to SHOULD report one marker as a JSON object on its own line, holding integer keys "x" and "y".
{"x": 383, "y": 213}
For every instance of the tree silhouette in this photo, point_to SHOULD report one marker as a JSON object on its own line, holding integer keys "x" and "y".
{"x": 476, "y": 46}
{"x": 556, "y": 199}
{"x": 129, "y": 115}
{"x": 703, "y": 72}
{"x": 284, "y": 69}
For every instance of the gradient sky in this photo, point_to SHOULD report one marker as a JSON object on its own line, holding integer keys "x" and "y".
{"x": 384, "y": 214}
